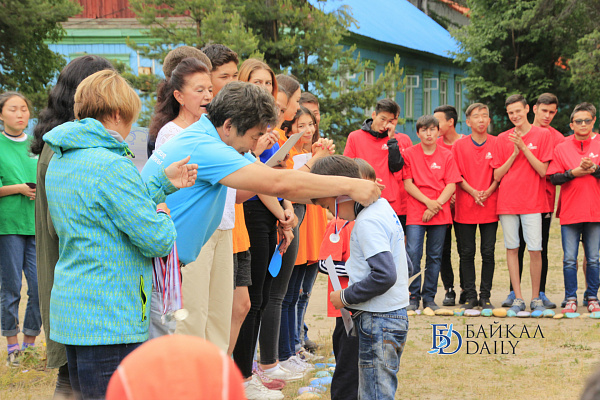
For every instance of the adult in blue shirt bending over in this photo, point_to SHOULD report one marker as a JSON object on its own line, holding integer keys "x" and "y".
{"x": 220, "y": 143}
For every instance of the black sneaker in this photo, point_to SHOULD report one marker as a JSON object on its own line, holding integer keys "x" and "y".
{"x": 450, "y": 298}
{"x": 462, "y": 299}
{"x": 485, "y": 304}
{"x": 431, "y": 304}
{"x": 470, "y": 304}
{"x": 413, "y": 306}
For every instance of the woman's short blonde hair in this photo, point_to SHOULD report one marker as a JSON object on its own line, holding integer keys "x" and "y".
{"x": 102, "y": 94}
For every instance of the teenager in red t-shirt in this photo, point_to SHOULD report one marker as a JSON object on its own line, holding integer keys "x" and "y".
{"x": 520, "y": 161}
{"x": 378, "y": 144}
{"x": 448, "y": 117}
{"x": 575, "y": 167}
{"x": 430, "y": 177}
{"x": 544, "y": 110}
{"x": 475, "y": 205}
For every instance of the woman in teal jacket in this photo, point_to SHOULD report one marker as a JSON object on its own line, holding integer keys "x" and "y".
{"x": 109, "y": 229}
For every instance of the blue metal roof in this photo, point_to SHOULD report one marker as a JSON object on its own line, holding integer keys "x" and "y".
{"x": 397, "y": 22}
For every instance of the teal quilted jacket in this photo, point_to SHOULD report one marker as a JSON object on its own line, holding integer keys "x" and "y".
{"x": 108, "y": 229}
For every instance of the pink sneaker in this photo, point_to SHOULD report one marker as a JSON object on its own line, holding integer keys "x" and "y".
{"x": 593, "y": 305}
{"x": 269, "y": 383}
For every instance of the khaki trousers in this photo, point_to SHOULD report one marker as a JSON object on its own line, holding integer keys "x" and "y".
{"x": 207, "y": 289}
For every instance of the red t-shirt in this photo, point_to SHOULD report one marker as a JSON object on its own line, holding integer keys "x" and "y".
{"x": 557, "y": 138}
{"x": 579, "y": 197}
{"x": 522, "y": 190}
{"x": 441, "y": 142}
{"x": 363, "y": 145}
{"x": 339, "y": 251}
{"x": 431, "y": 174}
{"x": 474, "y": 165}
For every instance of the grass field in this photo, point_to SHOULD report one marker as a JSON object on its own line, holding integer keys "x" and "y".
{"x": 554, "y": 366}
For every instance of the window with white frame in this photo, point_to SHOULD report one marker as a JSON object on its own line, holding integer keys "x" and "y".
{"x": 344, "y": 79}
{"x": 443, "y": 91}
{"x": 412, "y": 83}
{"x": 429, "y": 85}
{"x": 458, "y": 102}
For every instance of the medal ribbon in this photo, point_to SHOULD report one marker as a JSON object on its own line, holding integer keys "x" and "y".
{"x": 166, "y": 278}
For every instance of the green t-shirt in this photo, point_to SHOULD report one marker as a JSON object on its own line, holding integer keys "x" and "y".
{"x": 17, "y": 165}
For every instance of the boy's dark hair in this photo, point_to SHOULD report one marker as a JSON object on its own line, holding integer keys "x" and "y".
{"x": 515, "y": 98}
{"x": 547, "y": 98}
{"x": 425, "y": 121}
{"x": 336, "y": 165}
{"x": 308, "y": 97}
{"x": 475, "y": 106}
{"x": 220, "y": 54}
{"x": 366, "y": 170}
{"x": 449, "y": 111}
{"x": 589, "y": 107}
{"x": 177, "y": 55}
{"x": 387, "y": 105}
{"x": 247, "y": 106}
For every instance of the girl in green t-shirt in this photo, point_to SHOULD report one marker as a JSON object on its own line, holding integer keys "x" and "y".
{"x": 17, "y": 225}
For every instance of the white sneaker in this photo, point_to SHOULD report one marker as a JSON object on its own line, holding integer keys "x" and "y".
{"x": 302, "y": 363}
{"x": 307, "y": 356}
{"x": 255, "y": 390}
{"x": 291, "y": 365}
{"x": 280, "y": 372}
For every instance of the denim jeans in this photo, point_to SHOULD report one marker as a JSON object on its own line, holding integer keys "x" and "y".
{"x": 381, "y": 339}
{"x": 590, "y": 234}
{"x": 468, "y": 247}
{"x": 310, "y": 275}
{"x": 91, "y": 367}
{"x": 287, "y": 335}
{"x": 17, "y": 257}
{"x": 415, "y": 236}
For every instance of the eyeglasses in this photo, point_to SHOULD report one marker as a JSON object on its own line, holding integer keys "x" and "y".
{"x": 581, "y": 121}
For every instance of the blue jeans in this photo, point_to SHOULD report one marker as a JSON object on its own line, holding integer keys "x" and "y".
{"x": 415, "y": 236}
{"x": 287, "y": 334}
{"x": 91, "y": 367}
{"x": 590, "y": 234}
{"x": 310, "y": 275}
{"x": 381, "y": 339}
{"x": 17, "y": 257}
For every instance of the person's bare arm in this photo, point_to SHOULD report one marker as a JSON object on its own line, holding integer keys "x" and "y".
{"x": 414, "y": 191}
{"x": 446, "y": 193}
{"x": 299, "y": 186}
{"x": 20, "y": 188}
{"x": 272, "y": 205}
{"x": 537, "y": 165}
{"x": 503, "y": 169}
{"x": 464, "y": 185}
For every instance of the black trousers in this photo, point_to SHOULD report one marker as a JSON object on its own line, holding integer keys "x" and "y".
{"x": 446, "y": 271}
{"x": 546, "y": 221}
{"x": 344, "y": 385}
{"x": 262, "y": 229}
{"x": 467, "y": 251}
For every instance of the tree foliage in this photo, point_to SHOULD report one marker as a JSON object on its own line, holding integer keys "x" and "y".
{"x": 586, "y": 66}
{"x": 290, "y": 35}
{"x": 523, "y": 47}
{"x": 26, "y": 63}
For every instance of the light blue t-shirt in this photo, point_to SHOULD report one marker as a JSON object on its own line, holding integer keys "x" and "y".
{"x": 377, "y": 229}
{"x": 197, "y": 210}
